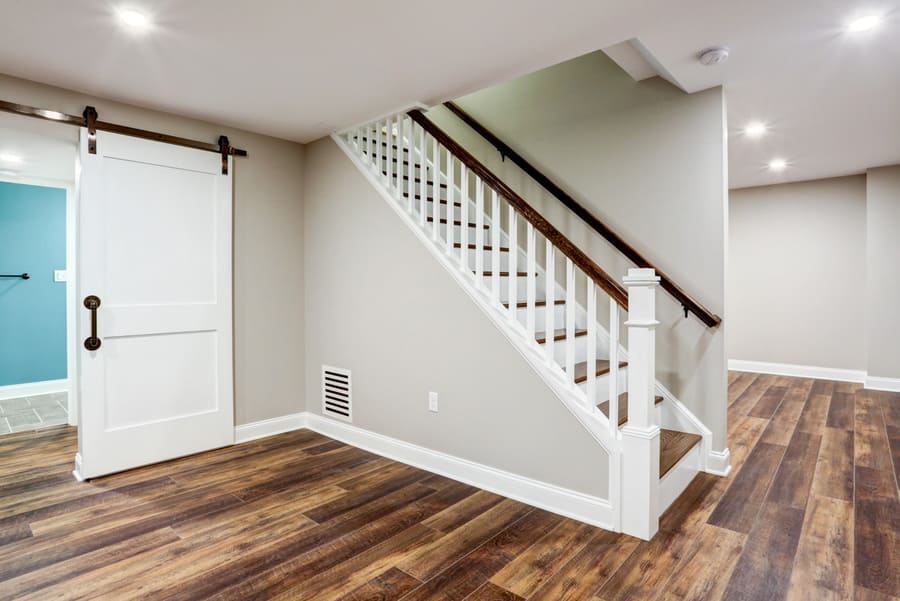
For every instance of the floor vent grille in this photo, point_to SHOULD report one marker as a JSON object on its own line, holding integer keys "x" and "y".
{"x": 337, "y": 399}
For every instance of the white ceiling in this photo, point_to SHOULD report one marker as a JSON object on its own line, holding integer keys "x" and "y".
{"x": 298, "y": 70}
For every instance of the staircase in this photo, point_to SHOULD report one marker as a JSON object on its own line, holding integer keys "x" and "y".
{"x": 564, "y": 314}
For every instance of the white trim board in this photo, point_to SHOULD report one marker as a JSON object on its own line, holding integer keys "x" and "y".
{"x": 14, "y": 391}
{"x": 879, "y": 383}
{"x": 270, "y": 427}
{"x": 819, "y": 373}
{"x": 800, "y": 371}
{"x": 569, "y": 503}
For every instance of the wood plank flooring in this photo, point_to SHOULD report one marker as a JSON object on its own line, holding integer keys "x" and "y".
{"x": 811, "y": 511}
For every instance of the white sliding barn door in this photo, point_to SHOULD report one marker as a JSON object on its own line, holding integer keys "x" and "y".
{"x": 155, "y": 249}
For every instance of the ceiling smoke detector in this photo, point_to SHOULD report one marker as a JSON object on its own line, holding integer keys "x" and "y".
{"x": 713, "y": 56}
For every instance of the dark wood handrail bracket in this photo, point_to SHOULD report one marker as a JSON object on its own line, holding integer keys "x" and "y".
{"x": 688, "y": 302}
{"x": 581, "y": 260}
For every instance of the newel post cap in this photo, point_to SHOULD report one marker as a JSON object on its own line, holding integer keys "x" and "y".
{"x": 641, "y": 277}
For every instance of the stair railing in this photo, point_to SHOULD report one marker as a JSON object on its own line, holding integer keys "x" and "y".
{"x": 423, "y": 170}
{"x": 688, "y": 302}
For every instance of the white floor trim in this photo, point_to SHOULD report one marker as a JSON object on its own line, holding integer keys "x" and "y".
{"x": 800, "y": 371}
{"x": 569, "y": 503}
{"x": 269, "y": 427}
{"x": 718, "y": 463}
{"x": 33, "y": 389}
{"x": 878, "y": 383}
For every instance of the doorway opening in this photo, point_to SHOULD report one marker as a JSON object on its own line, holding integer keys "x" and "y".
{"x": 37, "y": 265}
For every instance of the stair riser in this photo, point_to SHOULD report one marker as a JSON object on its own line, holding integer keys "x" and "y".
{"x": 487, "y": 258}
{"x": 580, "y": 347}
{"x": 521, "y": 288}
{"x": 540, "y": 317}
{"x": 603, "y": 385}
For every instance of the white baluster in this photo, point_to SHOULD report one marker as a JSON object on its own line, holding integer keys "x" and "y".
{"x": 495, "y": 247}
{"x": 479, "y": 230}
{"x": 549, "y": 295}
{"x": 423, "y": 178}
{"x": 451, "y": 163}
{"x": 389, "y": 164}
{"x": 530, "y": 278}
{"x": 379, "y": 151}
{"x": 464, "y": 215}
{"x": 613, "y": 366}
{"x": 591, "y": 342}
{"x": 570, "y": 320}
{"x": 513, "y": 262}
{"x": 435, "y": 190}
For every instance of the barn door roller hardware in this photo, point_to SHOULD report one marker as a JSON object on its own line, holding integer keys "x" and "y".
{"x": 90, "y": 120}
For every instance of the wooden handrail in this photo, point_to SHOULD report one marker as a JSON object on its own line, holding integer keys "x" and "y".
{"x": 615, "y": 290}
{"x": 687, "y": 301}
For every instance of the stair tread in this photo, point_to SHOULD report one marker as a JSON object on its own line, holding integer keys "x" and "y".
{"x": 504, "y": 274}
{"x": 457, "y": 222}
{"x": 503, "y": 249}
{"x": 540, "y": 303}
{"x": 673, "y": 446}
{"x": 417, "y": 180}
{"x": 559, "y": 334}
{"x": 581, "y": 369}
{"x": 442, "y": 201}
{"x": 623, "y": 407}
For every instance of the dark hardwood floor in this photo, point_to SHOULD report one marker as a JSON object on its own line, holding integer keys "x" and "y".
{"x": 811, "y": 511}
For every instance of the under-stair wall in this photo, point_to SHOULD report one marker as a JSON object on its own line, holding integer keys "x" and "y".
{"x": 647, "y": 159}
{"x": 379, "y": 304}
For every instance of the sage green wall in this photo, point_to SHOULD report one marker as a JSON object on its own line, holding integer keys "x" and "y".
{"x": 379, "y": 304}
{"x": 268, "y": 246}
{"x": 650, "y": 161}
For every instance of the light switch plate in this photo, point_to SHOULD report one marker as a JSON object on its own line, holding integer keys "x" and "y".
{"x": 433, "y": 402}
{"x": 59, "y": 275}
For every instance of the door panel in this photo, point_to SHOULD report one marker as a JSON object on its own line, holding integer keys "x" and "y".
{"x": 155, "y": 247}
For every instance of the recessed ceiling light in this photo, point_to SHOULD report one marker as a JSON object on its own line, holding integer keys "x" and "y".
{"x": 755, "y": 129}
{"x": 11, "y": 158}
{"x": 777, "y": 165}
{"x": 133, "y": 18}
{"x": 864, "y": 23}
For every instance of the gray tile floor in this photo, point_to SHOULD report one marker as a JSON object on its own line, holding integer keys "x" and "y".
{"x": 34, "y": 412}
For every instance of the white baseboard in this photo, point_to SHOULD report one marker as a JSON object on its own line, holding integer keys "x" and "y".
{"x": 270, "y": 427}
{"x": 579, "y": 506}
{"x": 569, "y": 503}
{"x": 718, "y": 463}
{"x": 878, "y": 383}
{"x": 800, "y": 371}
{"x": 33, "y": 389}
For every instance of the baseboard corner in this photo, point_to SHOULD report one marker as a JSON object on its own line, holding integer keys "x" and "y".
{"x": 270, "y": 427}
{"x": 718, "y": 463}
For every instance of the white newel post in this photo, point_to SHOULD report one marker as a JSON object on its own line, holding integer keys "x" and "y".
{"x": 640, "y": 435}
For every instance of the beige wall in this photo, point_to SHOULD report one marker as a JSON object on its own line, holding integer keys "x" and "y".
{"x": 647, "y": 159}
{"x": 883, "y": 272}
{"x": 797, "y": 255}
{"x": 379, "y": 304}
{"x": 268, "y": 246}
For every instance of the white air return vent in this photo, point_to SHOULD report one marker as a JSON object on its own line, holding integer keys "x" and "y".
{"x": 337, "y": 393}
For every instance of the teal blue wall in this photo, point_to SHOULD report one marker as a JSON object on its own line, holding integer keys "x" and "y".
{"x": 32, "y": 312}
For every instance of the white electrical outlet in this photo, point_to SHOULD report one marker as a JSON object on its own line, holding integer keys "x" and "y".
{"x": 433, "y": 402}
{"x": 60, "y": 275}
